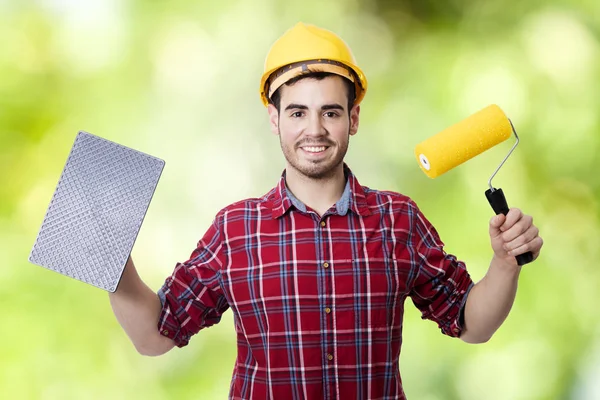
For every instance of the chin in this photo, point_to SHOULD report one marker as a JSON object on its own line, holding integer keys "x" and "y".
{"x": 316, "y": 171}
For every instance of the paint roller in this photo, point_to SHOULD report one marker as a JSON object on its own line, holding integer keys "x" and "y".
{"x": 465, "y": 140}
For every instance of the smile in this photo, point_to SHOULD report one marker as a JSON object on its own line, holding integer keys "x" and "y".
{"x": 314, "y": 149}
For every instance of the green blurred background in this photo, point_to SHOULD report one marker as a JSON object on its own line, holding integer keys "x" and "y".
{"x": 179, "y": 80}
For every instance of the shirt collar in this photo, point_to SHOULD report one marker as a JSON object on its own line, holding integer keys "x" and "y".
{"x": 353, "y": 198}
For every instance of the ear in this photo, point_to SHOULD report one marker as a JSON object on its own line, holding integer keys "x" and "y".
{"x": 273, "y": 118}
{"x": 354, "y": 118}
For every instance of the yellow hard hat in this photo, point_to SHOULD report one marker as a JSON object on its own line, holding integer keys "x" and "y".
{"x": 309, "y": 48}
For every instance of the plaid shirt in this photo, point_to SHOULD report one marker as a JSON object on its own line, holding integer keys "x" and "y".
{"x": 318, "y": 302}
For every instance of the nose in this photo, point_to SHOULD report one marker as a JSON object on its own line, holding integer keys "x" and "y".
{"x": 315, "y": 125}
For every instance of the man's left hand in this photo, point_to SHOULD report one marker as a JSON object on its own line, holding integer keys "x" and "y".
{"x": 513, "y": 234}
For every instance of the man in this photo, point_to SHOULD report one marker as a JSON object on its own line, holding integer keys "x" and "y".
{"x": 316, "y": 271}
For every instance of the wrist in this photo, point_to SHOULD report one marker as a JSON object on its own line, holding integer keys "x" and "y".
{"x": 506, "y": 264}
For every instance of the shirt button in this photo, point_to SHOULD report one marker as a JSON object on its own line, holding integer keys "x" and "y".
{"x": 327, "y": 310}
{"x": 323, "y": 223}
{"x": 325, "y": 265}
{"x": 330, "y": 357}
{"x": 165, "y": 332}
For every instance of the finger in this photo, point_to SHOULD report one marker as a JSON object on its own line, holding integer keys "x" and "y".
{"x": 495, "y": 223}
{"x": 522, "y": 239}
{"x": 518, "y": 228}
{"x": 534, "y": 246}
{"x": 514, "y": 215}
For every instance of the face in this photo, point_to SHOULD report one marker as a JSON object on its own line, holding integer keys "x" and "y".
{"x": 313, "y": 125}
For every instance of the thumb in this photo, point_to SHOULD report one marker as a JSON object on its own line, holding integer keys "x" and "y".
{"x": 495, "y": 224}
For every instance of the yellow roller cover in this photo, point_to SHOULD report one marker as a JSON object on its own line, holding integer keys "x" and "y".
{"x": 463, "y": 141}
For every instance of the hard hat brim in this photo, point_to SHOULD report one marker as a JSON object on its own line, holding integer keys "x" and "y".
{"x": 345, "y": 69}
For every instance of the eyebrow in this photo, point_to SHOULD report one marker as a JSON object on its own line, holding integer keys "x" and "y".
{"x": 333, "y": 106}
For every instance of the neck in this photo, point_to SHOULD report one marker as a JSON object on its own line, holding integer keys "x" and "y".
{"x": 318, "y": 194}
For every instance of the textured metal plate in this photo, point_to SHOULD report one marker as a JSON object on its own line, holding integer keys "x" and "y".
{"x": 96, "y": 211}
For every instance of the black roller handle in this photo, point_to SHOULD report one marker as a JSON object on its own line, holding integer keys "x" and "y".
{"x": 500, "y": 206}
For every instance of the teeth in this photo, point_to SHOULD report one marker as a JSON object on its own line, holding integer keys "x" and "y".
{"x": 315, "y": 149}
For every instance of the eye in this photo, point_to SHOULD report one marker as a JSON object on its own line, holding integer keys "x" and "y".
{"x": 297, "y": 114}
{"x": 331, "y": 114}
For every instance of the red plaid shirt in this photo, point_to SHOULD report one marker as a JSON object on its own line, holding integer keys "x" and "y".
{"x": 317, "y": 301}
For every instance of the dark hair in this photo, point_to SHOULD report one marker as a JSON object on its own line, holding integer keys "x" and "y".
{"x": 350, "y": 88}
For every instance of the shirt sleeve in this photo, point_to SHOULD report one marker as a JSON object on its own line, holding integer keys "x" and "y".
{"x": 192, "y": 297}
{"x": 441, "y": 282}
